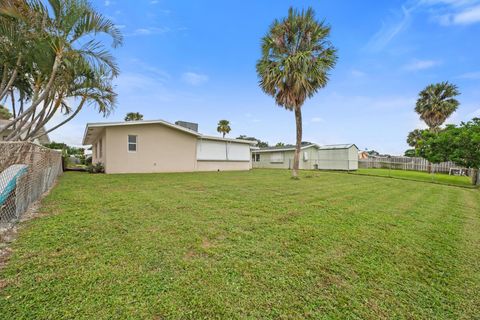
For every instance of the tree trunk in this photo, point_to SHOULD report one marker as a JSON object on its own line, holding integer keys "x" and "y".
{"x": 475, "y": 180}
{"x": 63, "y": 122}
{"x": 296, "y": 158}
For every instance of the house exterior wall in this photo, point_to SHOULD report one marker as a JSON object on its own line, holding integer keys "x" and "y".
{"x": 215, "y": 155}
{"x": 287, "y": 163}
{"x": 164, "y": 149}
{"x": 338, "y": 159}
{"x": 99, "y": 154}
{"x": 353, "y": 158}
{"x": 159, "y": 149}
{"x": 205, "y": 165}
{"x": 323, "y": 159}
{"x": 333, "y": 159}
{"x": 312, "y": 154}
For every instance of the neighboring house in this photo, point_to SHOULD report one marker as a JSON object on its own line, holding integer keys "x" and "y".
{"x": 312, "y": 156}
{"x": 160, "y": 146}
{"x": 363, "y": 155}
{"x": 282, "y": 157}
{"x": 44, "y": 139}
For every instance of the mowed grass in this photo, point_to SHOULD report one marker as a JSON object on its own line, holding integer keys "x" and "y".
{"x": 419, "y": 176}
{"x": 256, "y": 244}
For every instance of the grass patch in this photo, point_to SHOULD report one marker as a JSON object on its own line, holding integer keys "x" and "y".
{"x": 419, "y": 176}
{"x": 247, "y": 245}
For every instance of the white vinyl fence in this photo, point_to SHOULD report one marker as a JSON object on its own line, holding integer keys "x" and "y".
{"x": 27, "y": 171}
{"x": 410, "y": 163}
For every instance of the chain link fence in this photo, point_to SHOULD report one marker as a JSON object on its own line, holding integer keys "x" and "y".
{"x": 27, "y": 171}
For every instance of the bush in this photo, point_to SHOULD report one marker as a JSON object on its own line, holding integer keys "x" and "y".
{"x": 96, "y": 168}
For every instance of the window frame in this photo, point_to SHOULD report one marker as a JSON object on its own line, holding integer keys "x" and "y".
{"x": 132, "y": 143}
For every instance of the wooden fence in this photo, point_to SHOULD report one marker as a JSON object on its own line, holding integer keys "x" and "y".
{"x": 409, "y": 163}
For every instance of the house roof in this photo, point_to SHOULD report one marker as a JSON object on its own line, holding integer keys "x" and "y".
{"x": 92, "y": 130}
{"x": 338, "y": 146}
{"x": 285, "y": 148}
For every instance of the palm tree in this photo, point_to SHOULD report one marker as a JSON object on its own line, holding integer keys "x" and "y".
{"x": 223, "y": 127}
{"x": 296, "y": 58}
{"x": 134, "y": 116}
{"x": 51, "y": 57}
{"x": 436, "y": 103}
{"x": 414, "y": 139}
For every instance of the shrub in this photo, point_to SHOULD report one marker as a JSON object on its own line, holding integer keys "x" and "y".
{"x": 96, "y": 168}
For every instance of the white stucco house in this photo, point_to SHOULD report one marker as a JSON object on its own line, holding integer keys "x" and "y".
{"x": 160, "y": 146}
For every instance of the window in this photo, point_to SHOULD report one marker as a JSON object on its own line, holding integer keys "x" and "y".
{"x": 276, "y": 157}
{"x": 257, "y": 157}
{"x": 100, "y": 152}
{"x": 132, "y": 143}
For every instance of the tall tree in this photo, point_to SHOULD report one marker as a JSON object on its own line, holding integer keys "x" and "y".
{"x": 436, "y": 103}
{"x": 459, "y": 144}
{"x": 414, "y": 138}
{"x": 133, "y": 116}
{"x": 297, "y": 56}
{"x": 223, "y": 127}
{"x": 53, "y": 60}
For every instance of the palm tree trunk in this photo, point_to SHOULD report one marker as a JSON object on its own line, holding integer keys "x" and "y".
{"x": 65, "y": 121}
{"x": 296, "y": 158}
{"x": 223, "y": 134}
{"x": 474, "y": 177}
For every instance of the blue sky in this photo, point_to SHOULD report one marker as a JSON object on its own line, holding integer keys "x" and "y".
{"x": 195, "y": 61}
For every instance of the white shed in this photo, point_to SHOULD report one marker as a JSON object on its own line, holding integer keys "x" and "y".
{"x": 338, "y": 157}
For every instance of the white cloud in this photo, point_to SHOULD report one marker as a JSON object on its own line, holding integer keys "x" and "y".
{"x": 107, "y": 3}
{"x": 470, "y": 75}
{"x": 194, "y": 79}
{"x": 418, "y": 65}
{"x": 317, "y": 119}
{"x": 148, "y": 31}
{"x": 391, "y": 29}
{"x": 445, "y": 12}
{"x": 358, "y": 73}
{"x": 449, "y": 12}
{"x": 468, "y": 16}
{"x": 154, "y": 1}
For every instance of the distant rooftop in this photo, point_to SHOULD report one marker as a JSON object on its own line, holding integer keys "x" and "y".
{"x": 286, "y": 148}
{"x": 292, "y": 147}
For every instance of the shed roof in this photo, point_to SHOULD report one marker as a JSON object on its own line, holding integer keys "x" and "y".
{"x": 338, "y": 146}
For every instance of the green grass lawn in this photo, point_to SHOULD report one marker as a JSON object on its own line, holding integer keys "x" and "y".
{"x": 247, "y": 245}
{"x": 419, "y": 176}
